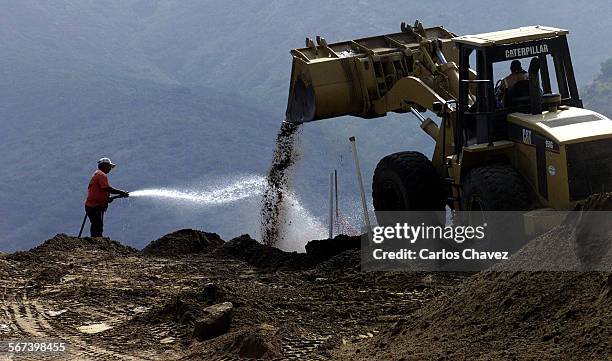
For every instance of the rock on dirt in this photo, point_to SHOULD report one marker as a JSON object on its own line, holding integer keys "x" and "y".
{"x": 211, "y": 294}
{"x": 215, "y": 321}
{"x": 184, "y": 241}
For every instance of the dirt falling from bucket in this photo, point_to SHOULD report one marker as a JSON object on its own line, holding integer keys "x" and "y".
{"x": 278, "y": 180}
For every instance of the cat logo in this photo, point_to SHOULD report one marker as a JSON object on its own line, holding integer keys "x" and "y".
{"x": 527, "y": 136}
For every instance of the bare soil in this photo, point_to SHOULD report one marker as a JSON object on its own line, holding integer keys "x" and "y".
{"x": 503, "y": 316}
{"x": 517, "y": 315}
{"x": 142, "y": 305}
{"x": 286, "y": 305}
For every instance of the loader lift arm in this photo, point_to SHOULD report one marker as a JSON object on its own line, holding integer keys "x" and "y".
{"x": 369, "y": 77}
{"x": 372, "y": 76}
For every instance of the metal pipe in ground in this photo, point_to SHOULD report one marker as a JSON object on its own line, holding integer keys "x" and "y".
{"x": 331, "y": 205}
{"x": 336, "y": 201}
{"x": 364, "y": 206}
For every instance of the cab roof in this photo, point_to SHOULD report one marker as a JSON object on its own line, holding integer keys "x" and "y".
{"x": 518, "y": 35}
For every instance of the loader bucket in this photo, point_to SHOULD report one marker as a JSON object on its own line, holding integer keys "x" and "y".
{"x": 301, "y": 106}
{"x": 332, "y": 80}
{"x": 321, "y": 90}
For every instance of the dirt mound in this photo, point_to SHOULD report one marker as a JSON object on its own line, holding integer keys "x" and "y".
{"x": 552, "y": 314}
{"x": 597, "y": 202}
{"x": 64, "y": 243}
{"x": 322, "y": 250}
{"x": 184, "y": 241}
{"x": 582, "y": 242}
{"x": 261, "y": 342}
{"x": 265, "y": 258}
{"x": 257, "y": 344}
{"x": 270, "y": 259}
{"x": 593, "y": 233}
{"x": 554, "y": 250}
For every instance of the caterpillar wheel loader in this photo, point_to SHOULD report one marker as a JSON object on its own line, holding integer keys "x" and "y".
{"x": 534, "y": 146}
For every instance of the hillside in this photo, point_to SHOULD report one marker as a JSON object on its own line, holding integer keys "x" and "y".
{"x": 245, "y": 46}
{"x": 51, "y": 152}
{"x": 190, "y": 93}
{"x": 598, "y": 94}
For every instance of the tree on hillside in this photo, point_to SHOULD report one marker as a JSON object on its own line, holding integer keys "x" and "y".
{"x": 598, "y": 95}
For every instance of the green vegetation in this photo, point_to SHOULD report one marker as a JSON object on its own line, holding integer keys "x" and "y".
{"x": 598, "y": 95}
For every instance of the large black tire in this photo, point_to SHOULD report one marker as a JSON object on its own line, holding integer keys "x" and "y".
{"x": 496, "y": 195}
{"x": 497, "y": 187}
{"x": 407, "y": 181}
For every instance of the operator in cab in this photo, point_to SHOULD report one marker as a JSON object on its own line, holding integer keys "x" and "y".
{"x": 517, "y": 74}
{"x": 98, "y": 196}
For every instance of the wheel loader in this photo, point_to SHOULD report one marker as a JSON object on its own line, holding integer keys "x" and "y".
{"x": 528, "y": 147}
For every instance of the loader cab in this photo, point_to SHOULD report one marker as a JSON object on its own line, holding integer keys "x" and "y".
{"x": 481, "y": 117}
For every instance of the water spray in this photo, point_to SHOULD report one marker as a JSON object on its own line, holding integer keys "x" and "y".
{"x": 241, "y": 189}
{"x": 246, "y": 188}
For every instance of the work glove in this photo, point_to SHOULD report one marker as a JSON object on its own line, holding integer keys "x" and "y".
{"x": 124, "y": 194}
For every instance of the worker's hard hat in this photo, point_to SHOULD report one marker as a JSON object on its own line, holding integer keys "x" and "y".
{"x": 106, "y": 161}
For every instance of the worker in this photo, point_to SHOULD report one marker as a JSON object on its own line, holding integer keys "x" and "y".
{"x": 98, "y": 196}
{"x": 517, "y": 74}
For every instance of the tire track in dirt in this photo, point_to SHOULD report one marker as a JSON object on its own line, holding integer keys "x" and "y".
{"x": 30, "y": 321}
